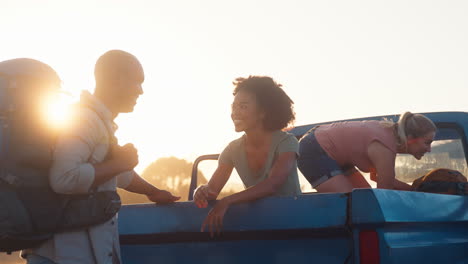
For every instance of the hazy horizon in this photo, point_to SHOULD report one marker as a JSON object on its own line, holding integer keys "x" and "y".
{"x": 335, "y": 59}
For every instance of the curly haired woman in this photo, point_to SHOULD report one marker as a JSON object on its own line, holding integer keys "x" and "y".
{"x": 264, "y": 156}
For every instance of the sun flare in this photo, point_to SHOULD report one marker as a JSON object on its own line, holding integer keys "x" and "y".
{"x": 58, "y": 110}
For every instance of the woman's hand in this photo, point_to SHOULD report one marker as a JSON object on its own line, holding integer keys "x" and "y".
{"x": 162, "y": 197}
{"x": 214, "y": 219}
{"x": 203, "y": 194}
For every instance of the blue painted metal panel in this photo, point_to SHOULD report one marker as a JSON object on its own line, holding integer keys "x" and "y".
{"x": 326, "y": 250}
{"x": 388, "y": 206}
{"x": 413, "y": 227}
{"x": 273, "y": 213}
{"x": 289, "y": 223}
{"x": 415, "y": 243}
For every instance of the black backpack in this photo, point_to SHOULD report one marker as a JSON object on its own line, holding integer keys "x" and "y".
{"x": 30, "y": 211}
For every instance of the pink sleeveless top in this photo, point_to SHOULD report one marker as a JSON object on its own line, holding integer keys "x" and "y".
{"x": 347, "y": 142}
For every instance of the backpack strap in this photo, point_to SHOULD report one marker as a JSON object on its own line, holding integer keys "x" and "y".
{"x": 112, "y": 138}
{"x": 6, "y": 109}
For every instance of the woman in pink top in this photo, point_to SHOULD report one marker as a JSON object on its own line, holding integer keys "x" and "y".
{"x": 329, "y": 154}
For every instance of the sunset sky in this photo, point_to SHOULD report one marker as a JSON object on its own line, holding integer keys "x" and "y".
{"x": 336, "y": 59}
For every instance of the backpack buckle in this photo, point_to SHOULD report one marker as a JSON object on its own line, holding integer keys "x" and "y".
{"x": 10, "y": 179}
{"x": 113, "y": 207}
{"x": 461, "y": 188}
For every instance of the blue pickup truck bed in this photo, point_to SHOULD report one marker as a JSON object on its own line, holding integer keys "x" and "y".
{"x": 401, "y": 227}
{"x": 364, "y": 226}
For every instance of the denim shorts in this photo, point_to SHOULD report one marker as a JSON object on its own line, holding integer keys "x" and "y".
{"x": 36, "y": 259}
{"x": 315, "y": 164}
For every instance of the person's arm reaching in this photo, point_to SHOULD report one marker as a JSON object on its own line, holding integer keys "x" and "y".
{"x": 139, "y": 185}
{"x": 384, "y": 162}
{"x": 280, "y": 171}
{"x": 211, "y": 190}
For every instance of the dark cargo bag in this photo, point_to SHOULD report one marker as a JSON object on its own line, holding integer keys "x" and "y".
{"x": 444, "y": 181}
{"x": 30, "y": 211}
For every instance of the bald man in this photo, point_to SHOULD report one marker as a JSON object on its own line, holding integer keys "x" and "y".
{"x": 87, "y": 157}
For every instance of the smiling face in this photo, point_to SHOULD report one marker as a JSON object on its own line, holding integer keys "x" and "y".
{"x": 418, "y": 146}
{"x": 246, "y": 114}
{"x": 129, "y": 88}
{"x": 119, "y": 76}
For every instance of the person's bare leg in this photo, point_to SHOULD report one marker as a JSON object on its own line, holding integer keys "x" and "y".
{"x": 358, "y": 180}
{"x": 338, "y": 183}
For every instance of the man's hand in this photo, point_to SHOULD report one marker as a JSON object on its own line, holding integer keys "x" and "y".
{"x": 202, "y": 194}
{"x": 126, "y": 156}
{"x": 162, "y": 197}
{"x": 120, "y": 159}
{"x": 214, "y": 219}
